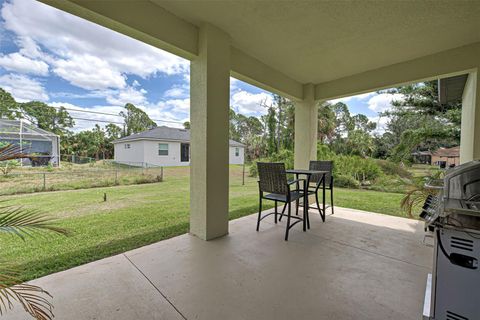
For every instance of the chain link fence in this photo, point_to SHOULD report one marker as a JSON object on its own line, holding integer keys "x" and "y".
{"x": 70, "y": 177}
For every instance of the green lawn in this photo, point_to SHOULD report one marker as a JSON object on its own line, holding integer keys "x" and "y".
{"x": 134, "y": 216}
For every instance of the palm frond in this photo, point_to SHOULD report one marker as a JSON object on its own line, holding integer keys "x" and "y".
{"x": 414, "y": 198}
{"x": 32, "y": 298}
{"x": 10, "y": 152}
{"x": 24, "y": 222}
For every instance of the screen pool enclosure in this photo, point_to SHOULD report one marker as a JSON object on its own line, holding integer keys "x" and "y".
{"x": 37, "y": 147}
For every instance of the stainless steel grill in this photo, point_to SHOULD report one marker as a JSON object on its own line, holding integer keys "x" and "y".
{"x": 453, "y": 215}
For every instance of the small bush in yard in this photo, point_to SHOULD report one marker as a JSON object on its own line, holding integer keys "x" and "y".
{"x": 346, "y": 182}
{"x": 285, "y": 156}
{"x": 7, "y": 166}
{"x": 392, "y": 169}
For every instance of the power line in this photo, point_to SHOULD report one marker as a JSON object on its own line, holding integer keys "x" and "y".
{"x": 97, "y": 120}
{"x": 107, "y": 114}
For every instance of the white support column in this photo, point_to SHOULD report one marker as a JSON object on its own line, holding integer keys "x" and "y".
{"x": 470, "y": 127}
{"x": 210, "y": 99}
{"x": 306, "y": 122}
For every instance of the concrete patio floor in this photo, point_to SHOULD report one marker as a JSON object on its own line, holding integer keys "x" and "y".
{"x": 356, "y": 265}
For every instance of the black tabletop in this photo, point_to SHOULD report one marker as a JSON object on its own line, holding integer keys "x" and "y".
{"x": 307, "y": 172}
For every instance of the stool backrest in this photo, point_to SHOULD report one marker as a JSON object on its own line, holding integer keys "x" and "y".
{"x": 321, "y": 165}
{"x": 272, "y": 177}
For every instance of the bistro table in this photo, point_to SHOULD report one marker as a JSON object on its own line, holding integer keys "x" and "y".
{"x": 308, "y": 174}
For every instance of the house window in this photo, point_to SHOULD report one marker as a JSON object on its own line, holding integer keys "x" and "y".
{"x": 163, "y": 149}
{"x": 127, "y": 145}
{"x": 237, "y": 152}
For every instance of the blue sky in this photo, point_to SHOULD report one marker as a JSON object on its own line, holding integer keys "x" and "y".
{"x": 52, "y": 56}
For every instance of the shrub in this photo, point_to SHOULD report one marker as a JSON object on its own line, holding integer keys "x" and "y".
{"x": 346, "y": 182}
{"x": 391, "y": 168}
{"x": 285, "y": 156}
{"x": 390, "y": 183}
{"x": 253, "y": 171}
{"x": 7, "y": 166}
{"x": 346, "y": 165}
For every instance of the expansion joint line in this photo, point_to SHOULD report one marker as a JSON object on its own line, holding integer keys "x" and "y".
{"x": 156, "y": 288}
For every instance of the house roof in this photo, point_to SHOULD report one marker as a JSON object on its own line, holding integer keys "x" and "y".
{"x": 447, "y": 152}
{"x": 166, "y": 133}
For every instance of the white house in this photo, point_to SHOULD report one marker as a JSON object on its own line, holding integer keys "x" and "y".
{"x": 164, "y": 146}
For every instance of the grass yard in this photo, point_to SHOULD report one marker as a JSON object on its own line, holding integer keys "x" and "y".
{"x": 136, "y": 215}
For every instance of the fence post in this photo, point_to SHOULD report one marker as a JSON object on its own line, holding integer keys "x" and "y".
{"x": 161, "y": 174}
{"x": 116, "y": 176}
{"x": 44, "y": 181}
{"x": 243, "y": 174}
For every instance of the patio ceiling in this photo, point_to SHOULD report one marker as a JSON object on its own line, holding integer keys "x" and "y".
{"x": 318, "y": 41}
{"x": 282, "y": 45}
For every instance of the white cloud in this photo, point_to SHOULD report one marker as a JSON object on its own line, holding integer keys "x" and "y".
{"x": 132, "y": 95}
{"x": 175, "y": 105}
{"x": 83, "y": 53}
{"x": 20, "y": 63}
{"x": 175, "y": 92}
{"x": 381, "y": 123}
{"x": 23, "y": 88}
{"x": 382, "y": 102}
{"x": 89, "y": 72}
{"x": 250, "y": 103}
{"x": 28, "y": 47}
{"x": 233, "y": 84}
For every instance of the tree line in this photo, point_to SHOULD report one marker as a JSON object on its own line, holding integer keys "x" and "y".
{"x": 418, "y": 121}
{"x": 94, "y": 143}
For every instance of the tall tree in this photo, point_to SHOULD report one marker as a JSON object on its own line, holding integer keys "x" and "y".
{"x": 271, "y": 132}
{"x": 326, "y": 122}
{"x": 46, "y": 117}
{"x": 419, "y": 121}
{"x": 136, "y": 120}
{"x": 8, "y": 106}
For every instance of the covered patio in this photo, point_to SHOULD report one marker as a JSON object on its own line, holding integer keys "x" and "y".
{"x": 356, "y": 265}
{"x": 305, "y": 51}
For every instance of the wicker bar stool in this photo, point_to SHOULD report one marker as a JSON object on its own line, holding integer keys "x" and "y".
{"x": 318, "y": 181}
{"x": 273, "y": 186}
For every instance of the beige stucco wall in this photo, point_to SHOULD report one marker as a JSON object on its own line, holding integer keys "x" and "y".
{"x": 146, "y": 151}
{"x": 132, "y": 155}
{"x": 306, "y": 123}
{"x": 470, "y": 127}
{"x": 173, "y": 158}
{"x": 233, "y": 158}
{"x": 209, "y": 116}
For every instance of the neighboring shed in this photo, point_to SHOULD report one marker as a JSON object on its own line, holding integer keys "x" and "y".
{"x": 441, "y": 156}
{"x": 450, "y": 156}
{"x": 40, "y": 146}
{"x": 164, "y": 146}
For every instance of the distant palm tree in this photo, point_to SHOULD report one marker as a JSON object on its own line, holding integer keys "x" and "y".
{"x": 23, "y": 223}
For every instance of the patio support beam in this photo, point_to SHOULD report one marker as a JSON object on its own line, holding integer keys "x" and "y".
{"x": 209, "y": 114}
{"x": 257, "y": 73}
{"x": 470, "y": 124}
{"x": 447, "y": 63}
{"x": 306, "y": 123}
